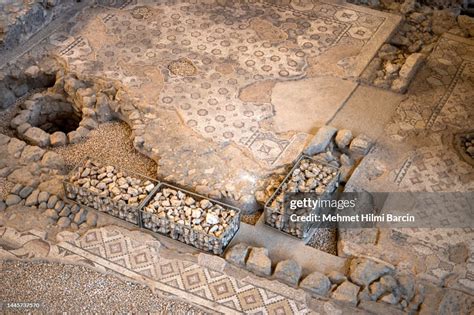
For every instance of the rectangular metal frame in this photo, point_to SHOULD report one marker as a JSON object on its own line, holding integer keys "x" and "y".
{"x": 268, "y": 210}
{"x": 116, "y": 207}
{"x": 187, "y": 234}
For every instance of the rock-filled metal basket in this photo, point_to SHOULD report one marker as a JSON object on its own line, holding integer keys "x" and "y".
{"x": 308, "y": 175}
{"x": 193, "y": 219}
{"x": 109, "y": 189}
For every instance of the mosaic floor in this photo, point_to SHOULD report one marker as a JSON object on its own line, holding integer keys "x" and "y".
{"x": 137, "y": 256}
{"x": 202, "y": 74}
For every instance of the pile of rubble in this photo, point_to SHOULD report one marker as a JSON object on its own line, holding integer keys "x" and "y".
{"x": 308, "y": 176}
{"x": 108, "y": 189}
{"x": 398, "y": 60}
{"x": 191, "y": 219}
{"x": 371, "y": 285}
{"x": 337, "y": 152}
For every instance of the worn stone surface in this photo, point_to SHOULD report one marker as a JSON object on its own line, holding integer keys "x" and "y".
{"x": 316, "y": 283}
{"x": 288, "y": 271}
{"x": 237, "y": 254}
{"x": 321, "y": 140}
{"x": 346, "y": 292}
{"x": 36, "y": 136}
{"x": 365, "y": 271}
{"x": 259, "y": 262}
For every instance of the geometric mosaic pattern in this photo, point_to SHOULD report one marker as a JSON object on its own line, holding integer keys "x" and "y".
{"x": 113, "y": 249}
{"x": 186, "y": 276}
{"x": 441, "y": 98}
{"x": 225, "y": 47}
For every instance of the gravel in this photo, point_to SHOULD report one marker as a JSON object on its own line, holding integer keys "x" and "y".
{"x": 324, "y": 240}
{"x": 78, "y": 290}
{"x": 111, "y": 145}
{"x": 5, "y": 187}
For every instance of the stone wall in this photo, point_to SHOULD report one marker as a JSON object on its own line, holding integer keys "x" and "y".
{"x": 19, "y": 20}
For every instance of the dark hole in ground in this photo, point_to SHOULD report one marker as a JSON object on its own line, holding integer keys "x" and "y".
{"x": 54, "y": 113}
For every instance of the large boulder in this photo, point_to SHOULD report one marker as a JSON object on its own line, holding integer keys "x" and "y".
{"x": 321, "y": 140}
{"x": 258, "y": 261}
{"x": 316, "y": 283}
{"x": 288, "y": 271}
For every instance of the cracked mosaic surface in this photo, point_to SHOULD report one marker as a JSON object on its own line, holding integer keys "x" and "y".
{"x": 226, "y": 48}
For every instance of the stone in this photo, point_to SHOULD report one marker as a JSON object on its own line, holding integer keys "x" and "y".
{"x": 466, "y": 23}
{"x": 26, "y": 191}
{"x": 407, "y": 286}
{"x": 212, "y": 262}
{"x": 76, "y": 136}
{"x": 4, "y": 139}
{"x": 408, "y": 6}
{"x": 64, "y": 222}
{"x": 32, "y": 154}
{"x": 237, "y": 254}
{"x": 37, "y": 136}
{"x": 360, "y": 145}
{"x": 211, "y": 218}
{"x": 388, "y": 282}
{"x": 16, "y": 189}
{"x": 316, "y": 283}
{"x": 89, "y": 123}
{"x": 32, "y": 199}
{"x": 80, "y": 217}
{"x": 346, "y": 292}
{"x": 23, "y": 128}
{"x": 52, "y": 201}
{"x": 32, "y": 71}
{"x": 43, "y": 196}
{"x": 66, "y": 211}
{"x": 12, "y": 200}
{"x": 7, "y": 97}
{"x": 50, "y": 213}
{"x": 364, "y": 271}
{"x": 288, "y": 271}
{"x": 336, "y": 277}
{"x": 258, "y": 261}
{"x": 3, "y": 206}
{"x": 23, "y": 176}
{"x": 321, "y": 140}
{"x": 343, "y": 138}
{"x": 52, "y": 160}
{"x": 443, "y": 21}
{"x": 15, "y": 147}
{"x": 91, "y": 218}
{"x": 408, "y": 71}
{"x": 58, "y": 138}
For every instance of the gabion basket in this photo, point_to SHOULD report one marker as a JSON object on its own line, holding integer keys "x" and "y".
{"x": 186, "y": 233}
{"x": 102, "y": 202}
{"x": 279, "y": 218}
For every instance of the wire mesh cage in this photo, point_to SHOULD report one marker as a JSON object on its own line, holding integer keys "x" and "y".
{"x": 109, "y": 189}
{"x": 193, "y": 219}
{"x": 319, "y": 178}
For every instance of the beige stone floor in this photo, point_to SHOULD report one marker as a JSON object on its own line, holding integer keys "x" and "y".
{"x": 227, "y": 93}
